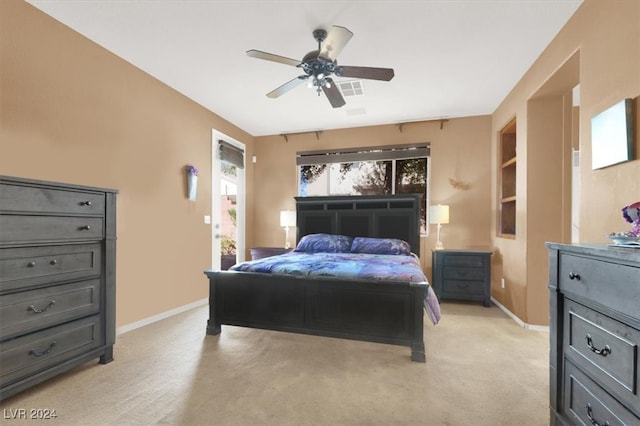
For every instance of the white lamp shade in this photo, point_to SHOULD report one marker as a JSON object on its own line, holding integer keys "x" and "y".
{"x": 439, "y": 214}
{"x": 287, "y": 218}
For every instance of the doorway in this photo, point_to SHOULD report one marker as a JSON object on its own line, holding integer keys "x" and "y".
{"x": 227, "y": 201}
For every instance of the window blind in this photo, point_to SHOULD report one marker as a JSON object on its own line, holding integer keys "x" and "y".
{"x": 231, "y": 154}
{"x": 376, "y": 153}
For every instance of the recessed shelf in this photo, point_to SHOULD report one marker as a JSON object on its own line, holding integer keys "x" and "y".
{"x": 507, "y": 181}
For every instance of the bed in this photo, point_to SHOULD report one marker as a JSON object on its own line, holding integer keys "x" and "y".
{"x": 366, "y": 306}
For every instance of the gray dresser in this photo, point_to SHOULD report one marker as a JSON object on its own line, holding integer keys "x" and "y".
{"x": 594, "y": 334}
{"x": 462, "y": 275}
{"x": 57, "y": 279}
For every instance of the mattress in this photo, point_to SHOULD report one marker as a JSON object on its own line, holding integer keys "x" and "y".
{"x": 376, "y": 267}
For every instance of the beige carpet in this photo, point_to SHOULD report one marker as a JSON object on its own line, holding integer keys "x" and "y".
{"x": 481, "y": 369}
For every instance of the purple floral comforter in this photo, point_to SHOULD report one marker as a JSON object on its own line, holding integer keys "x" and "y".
{"x": 381, "y": 267}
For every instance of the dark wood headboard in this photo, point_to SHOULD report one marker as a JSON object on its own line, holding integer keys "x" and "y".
{"x": 380, "y": 216}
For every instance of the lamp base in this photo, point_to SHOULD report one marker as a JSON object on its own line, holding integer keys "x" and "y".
{"x": 287, "y": 245}
{"x": 439, "y": 245}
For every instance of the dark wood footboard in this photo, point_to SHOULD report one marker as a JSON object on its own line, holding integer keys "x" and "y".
{"x": 382, "y": 312}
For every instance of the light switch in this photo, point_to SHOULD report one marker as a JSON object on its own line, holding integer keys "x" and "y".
{"x": 207, "y": 219}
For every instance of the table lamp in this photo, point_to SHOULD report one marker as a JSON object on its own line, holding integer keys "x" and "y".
{"x": 438, "y": 215}
{"x": 287, "y": 219}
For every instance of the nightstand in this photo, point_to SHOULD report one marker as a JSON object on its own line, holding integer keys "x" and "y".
{"x": 261, "y": 252}
{"x": 462, "y": 275}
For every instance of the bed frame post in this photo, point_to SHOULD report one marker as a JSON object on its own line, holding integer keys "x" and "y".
{"x": 417, "y": 345}
{"x": 213, "y": 323}
{"x": 417, "y": 352}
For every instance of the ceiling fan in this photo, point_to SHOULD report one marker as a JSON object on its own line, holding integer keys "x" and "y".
{"x": 319, "y": 65}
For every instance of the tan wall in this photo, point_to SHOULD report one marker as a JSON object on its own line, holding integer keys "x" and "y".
{"x": 460, "y": 151}
{"x": 604, "y": 40}
{"x": 73, "y": 112}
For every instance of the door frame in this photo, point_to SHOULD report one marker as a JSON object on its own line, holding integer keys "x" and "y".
{"x": 216, "y": 216}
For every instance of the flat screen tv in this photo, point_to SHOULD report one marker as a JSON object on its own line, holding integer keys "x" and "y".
{"x": 612, "y": 135}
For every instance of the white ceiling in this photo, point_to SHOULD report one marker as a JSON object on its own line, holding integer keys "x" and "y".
{"x": 452, "y": 58}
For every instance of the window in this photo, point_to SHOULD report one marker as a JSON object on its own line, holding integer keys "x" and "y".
{"x": 400, "y": 169}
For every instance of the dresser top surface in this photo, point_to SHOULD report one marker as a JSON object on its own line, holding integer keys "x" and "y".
{"x": 598, "y": 249}
{"x": 52, "y": 185}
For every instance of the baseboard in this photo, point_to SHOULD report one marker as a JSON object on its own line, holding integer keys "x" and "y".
{"x": 518, "y": 320}
{"x": 150, "y": 320}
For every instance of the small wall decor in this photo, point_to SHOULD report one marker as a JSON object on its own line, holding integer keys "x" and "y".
{"x": 612, "y": 135}
{"x": 457, "y": 184}
{"x": 192, "y": 181}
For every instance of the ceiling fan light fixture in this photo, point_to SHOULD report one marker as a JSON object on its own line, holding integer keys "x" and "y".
{"x": 320, "y": 65}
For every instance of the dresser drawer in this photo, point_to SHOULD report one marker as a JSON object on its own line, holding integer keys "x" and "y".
{"x": 28, "y": 311}
{"x": 606, "y": 348}
{"x": 471, "y": 260}
{"x": 18, "y": 198}
{"x": 591, "y": 279}
{"x": 462, "y": 289}
{"x": 26, "y": 228}
{"x": 586, "y": 403}
{"x": 464, "y": 273}
{"x": 37, "y": 351}
{"x": 32, "y": 266}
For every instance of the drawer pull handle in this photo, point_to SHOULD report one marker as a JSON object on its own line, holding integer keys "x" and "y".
{"x": 31, "y": 265}
{"x": 604, "y": 352}
{"x": 594, "y": 422}
{"x": 574, "y": 276}
{"x": 85, "y": 227}
{"x": 36, "y": 352}
{"x": 45, "y": 309}
{"x": 85, "y": 203}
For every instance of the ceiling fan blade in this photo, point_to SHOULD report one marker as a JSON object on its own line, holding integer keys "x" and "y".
{"x": 271, "y": 57}
{"x": 368, "y": 73}
{"x": 287, "y": 86}
{"x": 333, "y": 94}
{"x": 336, "y": 40}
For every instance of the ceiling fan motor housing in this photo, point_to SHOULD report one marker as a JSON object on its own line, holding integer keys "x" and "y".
{"x": 314, "y": 65}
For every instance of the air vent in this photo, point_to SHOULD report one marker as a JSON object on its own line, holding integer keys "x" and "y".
{"x": 351, "y": 88}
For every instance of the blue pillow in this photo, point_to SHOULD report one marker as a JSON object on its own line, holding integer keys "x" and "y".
{"x": 324, "y": 243}
{"x": 380, "y": 246}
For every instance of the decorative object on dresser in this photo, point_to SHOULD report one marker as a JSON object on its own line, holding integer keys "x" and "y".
{"x": 287, "y": 219}
{"x": 57, "y": 279}
{"x": 262, "y": 252}
{"x": 439, "y": 215}
{"x": 594, "y": 334}
{"x": 462, "y": 275}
